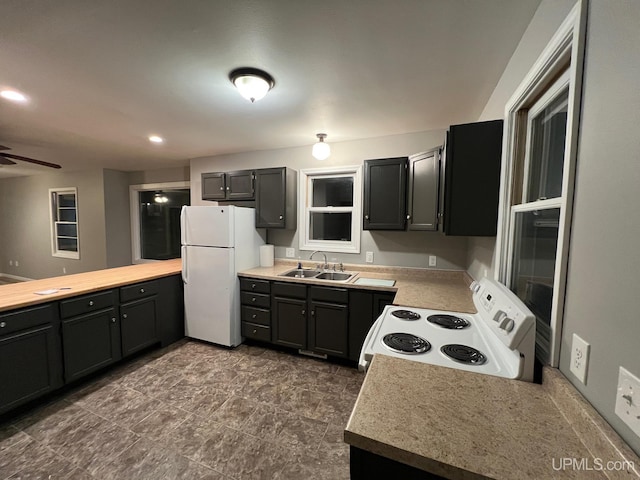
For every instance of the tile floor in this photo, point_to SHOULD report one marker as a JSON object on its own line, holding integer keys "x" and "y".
{"x": 191, "y": 411}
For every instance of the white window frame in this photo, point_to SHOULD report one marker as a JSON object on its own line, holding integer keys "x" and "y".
{"x": 134, "y": 191}
{"x": 305, "y": 182}
{"x": 53, "y": 222}
{"x": 565, "y": 48}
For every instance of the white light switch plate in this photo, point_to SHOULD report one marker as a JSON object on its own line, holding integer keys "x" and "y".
{"x": 579, "y": 358}
{"x": 628, "y": 399}
{"x": 290, "y": 252}
{"x": 432, "y": 260}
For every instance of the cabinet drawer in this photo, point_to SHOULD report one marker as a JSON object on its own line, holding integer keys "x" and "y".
{"x": 256, "y": 315}
{"x": 325, "y": 294}
{"x": 255, "y": 299}
{"x": 291, "y": 290}
{"x": 257, "y": 332}
{"x": 139, "y": 290}
{"x": 26, "y": 318}
{"x": 86, "y": 304}
{"x": 253, "y": 285}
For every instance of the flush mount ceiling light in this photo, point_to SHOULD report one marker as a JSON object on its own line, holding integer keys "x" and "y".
{"x": 252, "y": 83}
{"x": 14, "y": 96}
{"x": 321, "y": 150}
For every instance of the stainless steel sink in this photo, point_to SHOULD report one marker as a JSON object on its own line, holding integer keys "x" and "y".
{"x": 300, "y": 273}
{"x": 335, "y": 276}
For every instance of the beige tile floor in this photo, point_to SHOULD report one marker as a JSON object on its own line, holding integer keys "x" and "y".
{"x": 191, "y": 411}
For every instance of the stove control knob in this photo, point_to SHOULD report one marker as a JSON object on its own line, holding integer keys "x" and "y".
{"x": 499, "y": 317}
{"x": 474, "y": 287}
{"x": 507, "y": 324}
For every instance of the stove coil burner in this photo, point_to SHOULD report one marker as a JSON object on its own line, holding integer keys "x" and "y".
{"x": 448, "y": 321}
{"x": 464, "y": 354}
{"x": 406, "y": 314}
{"x": 406, "y": 343}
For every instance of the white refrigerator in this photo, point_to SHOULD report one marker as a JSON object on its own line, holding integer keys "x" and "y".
{"x": 217, "y": 242}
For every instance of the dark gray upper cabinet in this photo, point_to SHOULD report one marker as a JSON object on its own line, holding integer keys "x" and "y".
{"x": 276, "y": 198}
{"x": 385, "y": 187}
{"x": 471, "y": 179}
{"x": 237, "y": 185}
{"x": 422, "y": 198}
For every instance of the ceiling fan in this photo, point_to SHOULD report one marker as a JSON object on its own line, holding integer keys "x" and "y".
{"x": 7, "y": 159}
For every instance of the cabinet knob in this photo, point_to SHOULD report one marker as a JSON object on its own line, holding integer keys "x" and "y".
{"x": 91, "y": 303}
{"x": 253, "y": 316}
{"x": 366, "y": 217}
{"x": 228, "y": 189}
{"x": 253, "y": 299}
{"x": 303, "y": 312}
{"x": 221, "y": 188}
{"x": 313, "y": 312}
{"x": 253, "y": 285}
{"x": 280, "y": 217}
{"x": 3, "y": 324}
{"x": 408, "y": 217}
{"x": 113, "y": 319}
{"x": 255, "y": 330}
{"x": 124, "y": 315}
{"x": 142, "y": 290}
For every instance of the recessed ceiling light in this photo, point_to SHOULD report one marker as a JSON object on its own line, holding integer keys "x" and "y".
{"x": 14, "y": 96}
{"x": 156, "y": 139}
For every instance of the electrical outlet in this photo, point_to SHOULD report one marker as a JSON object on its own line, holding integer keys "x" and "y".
{"x": 64, "y": 269}
{"x": 432, "y": 260}
{"x": 290, "y": 252}
{"x": 579, "y": 358}
{"x": 17, "y": 264}
{"x": 369, "y": 257}
{"x": 628, "y": 399}
{"x": 11, "y": 263}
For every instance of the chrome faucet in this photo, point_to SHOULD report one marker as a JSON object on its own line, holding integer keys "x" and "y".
{"x": 326, "y": 265}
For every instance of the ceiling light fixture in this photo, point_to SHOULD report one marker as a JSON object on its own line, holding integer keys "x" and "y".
{"x": 14, "y": 96}
{"x": 321, "y": 150}
{"x": 252, "y": 83}
{"x": 156, "y": 139}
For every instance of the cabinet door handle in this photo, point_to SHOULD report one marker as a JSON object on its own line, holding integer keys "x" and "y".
{"x": 142, "y": 290}
{"x": 303, "y": 312}
{"x": 113, "y": 319}
{"x": 3, "y": 324}
{"x": 91, "y": 303}
{"x": 280, "y": 217}
{"x": 366, "y": 217}
{"x": 124, "y": 315}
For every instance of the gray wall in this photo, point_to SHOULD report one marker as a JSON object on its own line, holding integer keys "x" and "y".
{"x": 390, "y": 248}
{"x": 543, "y": 25}
{"x": 162, "y": 175}
{"x": 117, "y": 218}
{"x": 604, "y": 260}
{"x": 25, "y": 233}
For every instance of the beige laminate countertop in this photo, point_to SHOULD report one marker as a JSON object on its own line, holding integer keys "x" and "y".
{"x": 463, "y": 425}
{"x": 414, "y": 287}
{"x": 16, "y": 295}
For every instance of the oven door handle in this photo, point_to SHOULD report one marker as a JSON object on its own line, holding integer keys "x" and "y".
{"x": 362, "y": 363}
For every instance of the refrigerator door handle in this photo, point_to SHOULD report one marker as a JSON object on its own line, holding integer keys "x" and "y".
{"x": 185, "y": 273}
{"x": 183, "y": 222}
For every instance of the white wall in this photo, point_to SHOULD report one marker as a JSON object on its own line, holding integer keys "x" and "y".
{"x": 390, "y": 248}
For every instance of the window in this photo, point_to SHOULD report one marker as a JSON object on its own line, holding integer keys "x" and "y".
{"x": 63, "y": 205}
{"x": 330, "y": 209}
{"x": 155, "y": 220}
{"x": 537, "y": 183}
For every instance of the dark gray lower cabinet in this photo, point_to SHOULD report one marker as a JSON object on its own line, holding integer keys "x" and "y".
{"x": 138, "y": 327}
{"x": 289, "y": 322}
{"x": 90, "y": 342}
{"x": 328, "y": 326}
{"x": 364, "y": 307}
{"x": 170, "y": 312}
{"x": 366, "y": 465}
{"x": 30, "y": 357}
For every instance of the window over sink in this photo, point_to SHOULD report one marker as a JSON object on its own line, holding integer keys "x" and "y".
{"x": 330, "y": 209}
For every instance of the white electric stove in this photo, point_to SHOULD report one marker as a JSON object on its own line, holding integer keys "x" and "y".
{"x": 498, "y": 340}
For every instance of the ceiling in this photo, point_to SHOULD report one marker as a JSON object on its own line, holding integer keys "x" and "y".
{"x": 104, "y": 75}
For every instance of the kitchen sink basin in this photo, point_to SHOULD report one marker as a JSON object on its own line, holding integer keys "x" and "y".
{"x": 300, "y": 273}
{"x": 335, "y": 276}
{"x": 318, "y": 275}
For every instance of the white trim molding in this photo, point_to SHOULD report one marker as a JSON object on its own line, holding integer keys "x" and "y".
{"x": 565, "y": 51}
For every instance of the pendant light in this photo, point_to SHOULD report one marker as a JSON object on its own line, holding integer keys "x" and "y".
{"x": 252, "y": 83}
{"x": 321, "y": 150}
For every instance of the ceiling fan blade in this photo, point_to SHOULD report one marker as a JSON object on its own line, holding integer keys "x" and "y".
{"x": 5, "y": 161}
{"x": 2, "y": 147}
{"x": 31, "y": 160}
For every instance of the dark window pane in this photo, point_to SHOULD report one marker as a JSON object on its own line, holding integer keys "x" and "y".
{"x": 160, "y": 223}
{"x": 333, "y": 192}
{"x": 68, "y": 244}
{"x": 330, "y": 226}
{"x": 548, "y": 130}
{"x": 66, "y": 200}
{"x": 67, "y": 229}
{"x": 533, "y": 269}
{"x": 67, "y": 214}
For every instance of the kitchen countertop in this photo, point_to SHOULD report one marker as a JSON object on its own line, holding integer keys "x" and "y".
{"x": 414, "y": 287}
{"x": 16, "y": 295}
{"x": 463, "y": 425}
